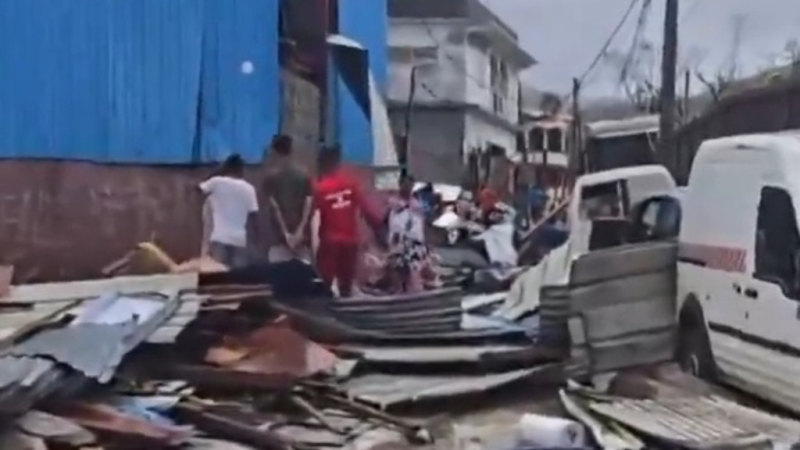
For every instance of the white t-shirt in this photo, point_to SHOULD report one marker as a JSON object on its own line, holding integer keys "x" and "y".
{"x": 232, "y": 201}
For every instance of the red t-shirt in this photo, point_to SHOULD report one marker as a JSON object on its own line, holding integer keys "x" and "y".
{"x": 487, "y": 198}
{"x": 338, "y": 198}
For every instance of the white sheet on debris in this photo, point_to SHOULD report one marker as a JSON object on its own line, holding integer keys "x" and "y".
{"x": 385, "y": 152}
{"x": 499, "y": 242}
{"x": 524, "y": 296}
{"x": 112, "y": 309}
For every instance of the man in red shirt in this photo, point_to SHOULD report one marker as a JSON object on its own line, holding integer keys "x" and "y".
{"x": 338, "y": 197}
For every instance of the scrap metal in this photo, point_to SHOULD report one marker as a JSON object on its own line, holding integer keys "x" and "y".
{"x": 699, "y": 422}
{"x": 388, "y": 390}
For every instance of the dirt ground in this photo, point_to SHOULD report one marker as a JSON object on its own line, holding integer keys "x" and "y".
{"x": 491, "y": 418}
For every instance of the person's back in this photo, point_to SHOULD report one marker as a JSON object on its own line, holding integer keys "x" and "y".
{"x": 288, "y": 188}
{"x": 233, "y": 202}
{"x": 338, "y": 198}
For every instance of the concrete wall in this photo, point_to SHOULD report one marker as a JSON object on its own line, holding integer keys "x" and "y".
{"x": 301, "y": 116}
{"x": 458, "y": 72}
{"x": 436, "y": 144}
{"x": 480, "y": 132}
{"x": 440, "y": 71}
{"x": 479, "y": 87}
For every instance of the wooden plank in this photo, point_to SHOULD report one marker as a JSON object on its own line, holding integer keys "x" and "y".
{"x": 59, "y": 292}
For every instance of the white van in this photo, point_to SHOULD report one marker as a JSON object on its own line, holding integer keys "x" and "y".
{"x": 739, "y": 266}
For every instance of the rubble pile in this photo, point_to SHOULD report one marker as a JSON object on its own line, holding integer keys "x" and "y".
{"x": 216, "y": 358}
{"x": 264, "y": 357}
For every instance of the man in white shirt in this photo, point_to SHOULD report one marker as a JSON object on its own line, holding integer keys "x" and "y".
{"x": 233, "y": 209}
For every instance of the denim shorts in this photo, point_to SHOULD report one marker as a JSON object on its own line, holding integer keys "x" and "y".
{"x": 232, "y": 256}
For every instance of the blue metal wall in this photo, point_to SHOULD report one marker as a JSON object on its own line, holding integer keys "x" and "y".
{"x": 364, "y": 21}
{"x": 367, "y": 22}
{"x": 137, "y": 81}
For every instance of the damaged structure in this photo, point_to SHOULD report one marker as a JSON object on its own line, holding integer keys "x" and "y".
{"x": 128, "y": 132}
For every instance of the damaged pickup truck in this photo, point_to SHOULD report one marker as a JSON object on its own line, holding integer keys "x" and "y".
{"x": 709, "y": 275}
{"x": 606, "y": 297}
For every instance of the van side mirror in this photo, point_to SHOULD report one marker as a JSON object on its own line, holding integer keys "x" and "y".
{"x": 797, "y": 264}
{"x": 796, "y": 281}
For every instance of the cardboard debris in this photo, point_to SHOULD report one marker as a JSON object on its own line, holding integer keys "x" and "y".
{"x": 54, "y": 429}
{"x": 6, "y": 275}
{"x": 108, "y": 420}
{"x": 273, "y": 349}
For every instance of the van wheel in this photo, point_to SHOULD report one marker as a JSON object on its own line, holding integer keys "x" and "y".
{"x": 694, "y": 352}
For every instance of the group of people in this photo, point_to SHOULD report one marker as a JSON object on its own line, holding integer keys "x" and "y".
{"x": 292, "y": 197}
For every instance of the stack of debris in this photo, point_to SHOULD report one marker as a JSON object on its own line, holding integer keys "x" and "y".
{"x": 664, "y": 408}
{"x": 118, "y": 363}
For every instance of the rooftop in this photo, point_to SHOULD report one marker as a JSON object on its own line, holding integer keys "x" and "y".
{"x": 477, "y": 12}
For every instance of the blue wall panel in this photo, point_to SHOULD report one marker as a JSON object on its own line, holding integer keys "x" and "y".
{"x": 367, "y": 22}
{"x": 364, "y": 21}
{"x": 353, "y": 116}
{"x": 121, "y": 80}
{"x": 240, "y": 110}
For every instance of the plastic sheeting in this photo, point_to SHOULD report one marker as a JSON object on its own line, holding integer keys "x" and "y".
{"x": 145, "y": 81}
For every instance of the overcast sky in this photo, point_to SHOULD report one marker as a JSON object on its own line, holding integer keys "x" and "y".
{"x": 565, "y": 35}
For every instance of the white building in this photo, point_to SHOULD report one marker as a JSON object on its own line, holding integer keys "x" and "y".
{"x": 464, "y": 63}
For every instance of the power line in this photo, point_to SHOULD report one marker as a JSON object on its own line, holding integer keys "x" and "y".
{"x": 608, "y": 42}
{"x": 632, "y": 57}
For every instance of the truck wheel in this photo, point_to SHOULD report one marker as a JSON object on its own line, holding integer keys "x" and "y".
{"x": 694, "y": 352}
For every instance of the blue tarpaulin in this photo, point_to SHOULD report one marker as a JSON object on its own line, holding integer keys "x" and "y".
{"x": 138, "y": 81}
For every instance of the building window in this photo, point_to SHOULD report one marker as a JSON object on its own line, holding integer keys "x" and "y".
{"x": 777, "y": 241}
{"x": 499, "y": 83}
{"x": 555, "y": 140}
{"x": 536, "y": 139}
{"x": 521, "y": 142}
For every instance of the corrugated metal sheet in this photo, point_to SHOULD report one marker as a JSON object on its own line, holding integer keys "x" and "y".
{"x": 438, "y": 354}
{"x": 621, "y": 307}
{"x": 700, "y": 423}
{"x": 432, "y": 311}
{"x": 388, "y": 390}
{"x": 137, "y": 81}
{"x": 187, "y": 311}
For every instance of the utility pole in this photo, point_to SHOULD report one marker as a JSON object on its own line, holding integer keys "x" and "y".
{"x": 687, "y": 82}
{"x": 406, "y": 144}
{"x": 577, "y": 160}
{"x": 668, "y": 68}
